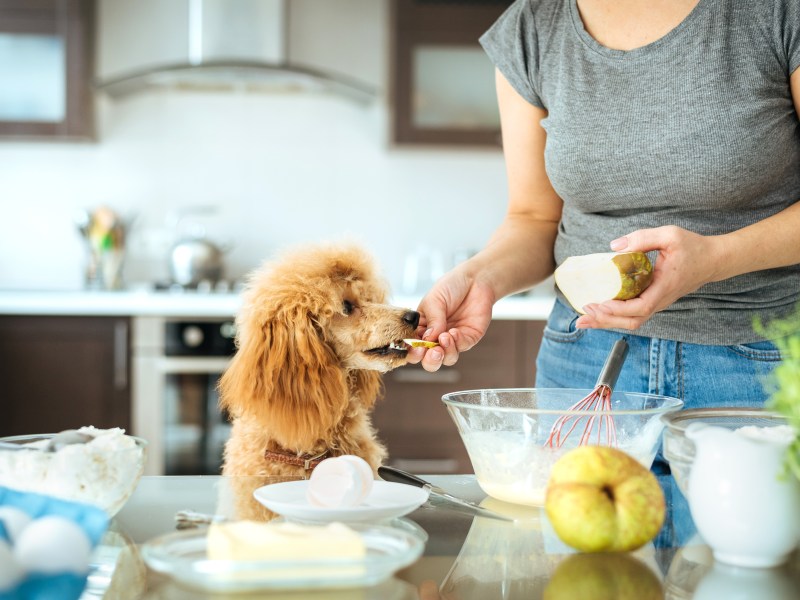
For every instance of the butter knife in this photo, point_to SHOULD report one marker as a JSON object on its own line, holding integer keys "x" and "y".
{"x": 435, "y": 492}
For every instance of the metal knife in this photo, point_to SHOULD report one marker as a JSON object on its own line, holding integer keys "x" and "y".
{"x": 435, "y": 492}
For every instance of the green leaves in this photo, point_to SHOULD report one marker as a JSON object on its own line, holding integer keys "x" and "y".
{"x": 784, "y": 383}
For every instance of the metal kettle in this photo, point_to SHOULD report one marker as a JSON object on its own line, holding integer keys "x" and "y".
{"x": 194, "y": 260}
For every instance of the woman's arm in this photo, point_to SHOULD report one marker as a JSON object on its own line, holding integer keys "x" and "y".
{"x": 768, "y": 244}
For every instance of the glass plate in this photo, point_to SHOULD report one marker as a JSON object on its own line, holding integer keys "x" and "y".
{"x": 182, "y": 556}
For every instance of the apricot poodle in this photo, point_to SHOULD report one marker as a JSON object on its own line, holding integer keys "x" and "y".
{"x": 313, "y": 336}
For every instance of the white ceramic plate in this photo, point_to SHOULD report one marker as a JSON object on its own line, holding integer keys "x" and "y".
{"x": 182, "y": 556}
{"x": 386, "y": 501}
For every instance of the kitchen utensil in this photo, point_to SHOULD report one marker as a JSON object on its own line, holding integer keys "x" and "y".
{"x": 679, "y": 450}
{"x": 741, "y": 505}
{"x": 189, "y": 519}
{"x": 194, "y": 260}
{"x": 504, "y": 432}
{"x": 599, "y": 400}
{"x": 399, "y": 476}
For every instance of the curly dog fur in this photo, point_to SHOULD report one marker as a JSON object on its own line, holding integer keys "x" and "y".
{"x": 313, "y": 336}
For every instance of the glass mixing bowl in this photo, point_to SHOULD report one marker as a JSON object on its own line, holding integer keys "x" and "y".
{"x": 679, "y": 450}
{"x": 505, "y": 432}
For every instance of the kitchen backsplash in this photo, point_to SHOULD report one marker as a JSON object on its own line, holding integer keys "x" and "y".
{"x": 280, "y": 170}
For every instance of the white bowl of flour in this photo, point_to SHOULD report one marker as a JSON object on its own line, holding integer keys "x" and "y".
{"x": 104, "y": 471}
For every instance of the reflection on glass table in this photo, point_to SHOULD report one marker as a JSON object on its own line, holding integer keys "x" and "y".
{"x": 469, "y": 557}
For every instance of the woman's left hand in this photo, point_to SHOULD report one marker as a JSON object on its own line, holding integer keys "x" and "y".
{"x": 685, "y": 262}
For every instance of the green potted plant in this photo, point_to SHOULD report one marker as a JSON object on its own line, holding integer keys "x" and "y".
{"x": 784, "y": 383}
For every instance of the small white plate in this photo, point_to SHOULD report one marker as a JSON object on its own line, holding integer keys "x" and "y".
{"x": 386, "y": 501}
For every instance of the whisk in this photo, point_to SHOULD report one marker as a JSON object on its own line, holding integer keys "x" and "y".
{"x": 599, "y": 401}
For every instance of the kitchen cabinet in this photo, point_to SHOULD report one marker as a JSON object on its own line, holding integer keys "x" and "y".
{"x": 442, "y": 81}
{"x": 46, "y": 69}
{"x": 412, "y": 420}
{"x": 63, "y": 372}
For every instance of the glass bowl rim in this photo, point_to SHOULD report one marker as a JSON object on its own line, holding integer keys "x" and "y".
{"x": 672, "y": 404}
{"x": 678, "y": 421}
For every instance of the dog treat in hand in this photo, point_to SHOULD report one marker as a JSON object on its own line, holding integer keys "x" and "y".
{"x": 420, "y": 343}
{"x": 340, "y": 481}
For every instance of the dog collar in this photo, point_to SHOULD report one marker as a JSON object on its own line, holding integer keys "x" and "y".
{"x": 307, "y": 461}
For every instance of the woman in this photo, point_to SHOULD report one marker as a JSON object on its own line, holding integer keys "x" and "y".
{"x": 664, "y": 126}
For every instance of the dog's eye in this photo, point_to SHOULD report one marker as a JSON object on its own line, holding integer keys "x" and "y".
{"x": 347, "y": 307}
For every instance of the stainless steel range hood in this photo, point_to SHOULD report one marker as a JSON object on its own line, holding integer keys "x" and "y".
{"x": 275, "y": 46}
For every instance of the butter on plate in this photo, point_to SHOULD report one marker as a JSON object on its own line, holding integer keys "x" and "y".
{"x": 284, "y": 542}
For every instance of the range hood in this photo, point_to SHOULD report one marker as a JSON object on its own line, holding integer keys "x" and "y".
{"x": 275, "y": 46}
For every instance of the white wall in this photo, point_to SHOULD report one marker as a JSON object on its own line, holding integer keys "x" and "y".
{"x": 281, "y": 169}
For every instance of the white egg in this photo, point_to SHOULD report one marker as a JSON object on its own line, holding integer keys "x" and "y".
{"x": 10, "y": 572}
{"x": 339, "y": 482}
{"x": 15, "y": 520}
{"x": 366, "y": 476}
{"x": 53, "y": 544}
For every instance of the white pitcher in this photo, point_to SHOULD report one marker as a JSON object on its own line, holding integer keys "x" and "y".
{"x": 743, "y": 508}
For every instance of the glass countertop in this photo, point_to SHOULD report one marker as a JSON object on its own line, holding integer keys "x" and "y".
{"x": 466, "y": 557}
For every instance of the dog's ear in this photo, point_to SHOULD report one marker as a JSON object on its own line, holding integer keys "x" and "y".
{"x": 288, "y": 379}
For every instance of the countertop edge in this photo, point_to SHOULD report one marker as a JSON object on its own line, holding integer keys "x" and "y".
{"x": 189, "y": 304}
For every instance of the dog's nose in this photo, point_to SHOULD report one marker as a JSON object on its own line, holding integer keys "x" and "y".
{"x": 411, "y": 317}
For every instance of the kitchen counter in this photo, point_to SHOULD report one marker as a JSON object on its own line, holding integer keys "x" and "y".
{"x": 146, "y": 302}
{"x": 470, "y": 557}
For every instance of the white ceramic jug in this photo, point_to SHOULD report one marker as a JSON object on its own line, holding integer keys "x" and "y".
{"x": 743, "y": 508}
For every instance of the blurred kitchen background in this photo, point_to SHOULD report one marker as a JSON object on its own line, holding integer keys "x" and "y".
{"x": 406, "y": 159}
{"x": 153, "y": 152}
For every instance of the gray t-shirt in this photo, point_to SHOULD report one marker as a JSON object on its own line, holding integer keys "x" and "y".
{"x": 696, "y": 129}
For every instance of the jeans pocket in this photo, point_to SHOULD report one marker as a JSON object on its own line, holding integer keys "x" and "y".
{"x": 560, "y": 325}
{"x": 765, "y": 351}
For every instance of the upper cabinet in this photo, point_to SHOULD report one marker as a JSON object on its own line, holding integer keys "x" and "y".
{"x": 46, "y": 69}
{"x": 442, "y": 81}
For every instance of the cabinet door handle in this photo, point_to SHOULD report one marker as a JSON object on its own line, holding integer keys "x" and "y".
{"x": 120, "y": 355}
{"x": 422, "y": 376}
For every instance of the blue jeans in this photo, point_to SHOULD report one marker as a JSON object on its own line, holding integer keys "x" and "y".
{"x": 698, "y": 374}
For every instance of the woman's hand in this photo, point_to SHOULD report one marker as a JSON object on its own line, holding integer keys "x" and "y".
{"x": 456, "y": 312}
{"x": 685, "y": 262}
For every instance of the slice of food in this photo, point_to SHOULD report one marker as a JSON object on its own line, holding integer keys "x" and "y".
{"x": 420, "y": 343}
{"x": 257, "y": 541}
{"x": 595, "y": 278}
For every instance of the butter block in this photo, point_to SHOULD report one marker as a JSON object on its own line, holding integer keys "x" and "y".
{"x": 254, "y": 540}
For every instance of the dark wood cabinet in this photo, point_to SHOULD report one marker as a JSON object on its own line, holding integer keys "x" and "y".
{"x": 441, "y": 80}
{"x": 63, "y": 372}
{"x": 413, "y": 421}
{"x": 47, "y": 69}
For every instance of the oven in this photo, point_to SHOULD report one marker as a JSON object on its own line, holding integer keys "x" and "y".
{"x": 176, "y": 364}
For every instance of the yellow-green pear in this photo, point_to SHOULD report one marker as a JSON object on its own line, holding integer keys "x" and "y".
{"x": 603, "y": 577}
{"x": 601, "y": 499}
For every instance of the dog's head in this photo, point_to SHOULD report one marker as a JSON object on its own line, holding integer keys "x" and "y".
{"x": 314, "y": 327}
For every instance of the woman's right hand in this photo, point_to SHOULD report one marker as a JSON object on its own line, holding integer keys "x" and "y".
{"x": 456, "y": 312}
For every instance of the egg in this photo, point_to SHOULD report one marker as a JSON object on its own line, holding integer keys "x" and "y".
{"x": 14, "y": 520}
{"x": 53, "y": 544}
{"x": 10, "y": 572}
{"x": 338, "y": 482}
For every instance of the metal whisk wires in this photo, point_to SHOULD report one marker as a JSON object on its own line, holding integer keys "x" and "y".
{"x": 593, "y": 411}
